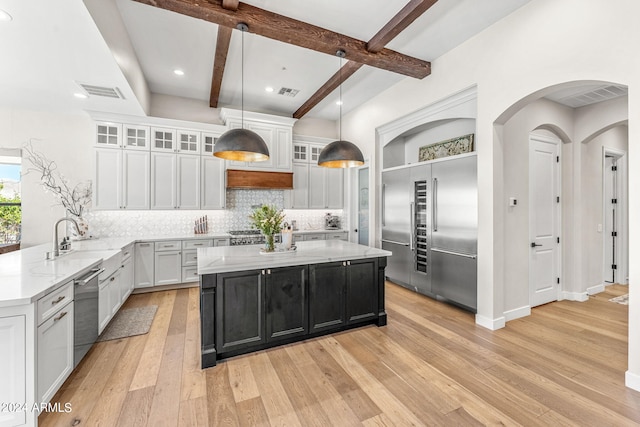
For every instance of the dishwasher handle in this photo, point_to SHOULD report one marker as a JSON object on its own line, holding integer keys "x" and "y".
{"x": 89, "y": 277}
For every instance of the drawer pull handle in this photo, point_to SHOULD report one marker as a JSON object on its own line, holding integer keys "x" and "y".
{"x": 58, "y": 300}
{"x": 64, "y": 313}
{"x": 198, "y": 244}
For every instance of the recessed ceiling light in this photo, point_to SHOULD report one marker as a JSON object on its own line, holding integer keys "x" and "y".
{"x": 268, "y": 89}
{"x": 80, "y": 95}
{"x": 178, "y": 72}
{"x": 4, "y": 16}
{"x": 338, "y": 102}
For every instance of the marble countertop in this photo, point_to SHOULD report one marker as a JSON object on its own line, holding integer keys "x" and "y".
{"x": 319, "y": 230}
{"x": 27, "y": 275}
{"x": 224, "y": 259}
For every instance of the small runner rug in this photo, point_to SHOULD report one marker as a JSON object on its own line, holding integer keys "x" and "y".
{"x": 622, "y": 299}
{"x": 129, "y": 322}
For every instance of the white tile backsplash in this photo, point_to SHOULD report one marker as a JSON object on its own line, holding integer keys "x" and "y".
{"x": 240, "y": 203}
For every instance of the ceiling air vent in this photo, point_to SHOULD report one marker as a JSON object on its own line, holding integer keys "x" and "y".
{"x": 286, "y": 91}
{"x": 108, "y": 92}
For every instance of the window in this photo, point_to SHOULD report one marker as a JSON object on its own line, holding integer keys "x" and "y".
{"x": 10, "y": 200}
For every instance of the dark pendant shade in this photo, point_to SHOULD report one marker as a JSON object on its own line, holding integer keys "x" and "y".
{"x": 242, "y": 145}
{"x": 340, "y": 154}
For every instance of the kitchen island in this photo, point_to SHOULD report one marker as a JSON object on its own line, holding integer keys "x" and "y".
{"x": 251, "y": 301}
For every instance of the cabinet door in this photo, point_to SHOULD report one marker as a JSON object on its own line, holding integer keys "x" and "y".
{"x": 188, "y": 142}
{"x": 300, "y": 193}
{"x": 327, "y": 283}
{"x": 267, "y": 133}
{"x": 240, "y": 310}
{"x": 362, "y": 290}
{"x": 163, "y": 139}
{"x": 286, "y": 302}
{"x": 207, "y": 142}
{"x": 212, "y": 183}
{"x": 126, "y": 280}
{"x": 300, "y": 153}
{"x": 188, "y": 181}
{"x": 104, "y": 306}
{"x": 13, "y": 367}
{"x": 135, "y": 137}
{"x": 334, "y": 191}
{"x": 282, "y": 148}
{"x": 135, "y": 179}
{"x": 55, "y": 352}
{"x": 115, "y": 293}
{"x": 168, "y": 267}
{"x": 317, "y": 187}
{"x": 108, "y": 135}
{"x": 163, "y": 181}
{"x": 108, "y": 179}
{"x": 143, "y": 268}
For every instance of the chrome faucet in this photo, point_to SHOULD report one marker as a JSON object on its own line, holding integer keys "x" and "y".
{"x": 56, "y": 249}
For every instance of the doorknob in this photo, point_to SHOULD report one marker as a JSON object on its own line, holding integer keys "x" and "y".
{"x": 534, "y": 244}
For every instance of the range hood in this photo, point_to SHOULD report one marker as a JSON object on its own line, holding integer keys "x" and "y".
{"x": 259, "y": 180}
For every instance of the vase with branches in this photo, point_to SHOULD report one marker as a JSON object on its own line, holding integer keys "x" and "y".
{"x": 75, "y": 199}
{"x": 268, "y": 219}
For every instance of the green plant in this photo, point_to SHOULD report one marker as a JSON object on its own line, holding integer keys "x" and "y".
{"x": 268, "y": 219}
{"x": 10, "y": 217}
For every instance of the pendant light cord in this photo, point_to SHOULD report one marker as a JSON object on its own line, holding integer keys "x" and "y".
{"x": 242, "y": 81}
{"x": 340, "y": 77}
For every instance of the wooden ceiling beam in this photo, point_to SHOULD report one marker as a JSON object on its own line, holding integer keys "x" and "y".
{"x": 298, "y": 33}
{"x": 336, "y": 80}
{"x": 399, "y": 23}
{"x": 219, "y": 63}
{"x": 230, "y": 4}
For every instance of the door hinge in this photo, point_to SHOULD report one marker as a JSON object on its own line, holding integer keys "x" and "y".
{"x": 614, "y": 266}
{"x": 614, "y": 234}
{"x": 558, "y": 199}
{"x": 558, "y": 280}
{"x": 614, "y": 168}
{"x": 614, "y": 201}
{"x": 557, "y": 159}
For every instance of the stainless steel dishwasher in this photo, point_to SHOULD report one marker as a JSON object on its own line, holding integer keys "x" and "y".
{"x": 85, "y": 322}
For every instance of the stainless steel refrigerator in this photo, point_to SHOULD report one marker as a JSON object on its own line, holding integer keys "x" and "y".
{"x": 429, "y": 222}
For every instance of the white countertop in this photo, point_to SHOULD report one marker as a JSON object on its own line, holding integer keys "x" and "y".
{"x": 224, "y": 259}
{"x": 26, "y": 275}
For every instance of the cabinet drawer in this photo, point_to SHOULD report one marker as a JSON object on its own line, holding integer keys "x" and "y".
{"x": 336, "y": 236}
{"x": 50, "y": 304}
{"x": 127, "y": 252}
{"x": 221, "y": 242}
{"x": 319, "y": 236}
{"x": 195, "y": 244}
{"x": 189, "y": 274}
{"x": 189, "y": 257}
{"x": 169, "y": 245}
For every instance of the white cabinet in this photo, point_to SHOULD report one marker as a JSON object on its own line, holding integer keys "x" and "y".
{"x": 337, "y": 235}
{"x": 121, "y": 179}
{"x": 55, "y": 351}
{"x": 188, "y": 142}
{"x": 108, "y": 134}
{"x": 144, "y": 265}
{"x": 115, "y": 293}
{"x": 109, "y": 299}
{"x": 299, "y": 196}
{"x": 13, "y": 367}
{"x": 317, "y": 187}
{"x": 135, "y": 137}
{"x": 175, "y": 181}
{"x": 163, "y": 139}
{"x": 213, "y": 194}
{"x": 190, "y": 258}
{"x": 127, "y": 274}
{"x": 168, "y": 263}
{"x": 334, "y": 188}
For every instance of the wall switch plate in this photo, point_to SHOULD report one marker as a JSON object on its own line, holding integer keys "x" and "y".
{"x": 513, "y": 201}
{"x": 599, "y": 228}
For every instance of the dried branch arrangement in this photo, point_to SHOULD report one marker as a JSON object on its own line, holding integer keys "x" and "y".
{"x": 74, "y": 199}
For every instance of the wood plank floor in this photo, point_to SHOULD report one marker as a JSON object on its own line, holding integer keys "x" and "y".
{"x": 431, "y": 365}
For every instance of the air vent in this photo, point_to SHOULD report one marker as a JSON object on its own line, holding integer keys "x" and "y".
{"x": 286, "y": 91}
{"x": 107, "y": 92}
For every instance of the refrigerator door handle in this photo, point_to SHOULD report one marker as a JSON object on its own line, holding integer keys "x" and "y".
{"x": 384, "y": 205}
{"x": 394, "y": 242}
{"x": 434, "y": 204}
{"x": 412, "y": 226}
{"x": 454, "y": 253}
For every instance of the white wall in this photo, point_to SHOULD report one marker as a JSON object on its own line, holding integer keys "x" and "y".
{"x": 175, "y": 107}
{"x": 543, "y": 44}
{"x": 64, "y": 138}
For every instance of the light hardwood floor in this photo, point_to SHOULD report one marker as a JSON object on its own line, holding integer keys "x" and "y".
{"x": 431, "y": 365}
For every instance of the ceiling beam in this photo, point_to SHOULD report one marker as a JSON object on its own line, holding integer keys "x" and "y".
{"x": 399, "y": 23}
{"x": 219, "y": 62}
{"x": 395, "y": 26}
{"x": 298, "y": 33}
{"x": 230, "y": 4}
{"x": 336, "y": 80}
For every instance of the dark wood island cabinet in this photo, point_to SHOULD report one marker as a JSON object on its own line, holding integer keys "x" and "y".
{"x": 246, "y": 311}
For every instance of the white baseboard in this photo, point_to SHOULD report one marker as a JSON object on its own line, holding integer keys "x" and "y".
{"x": 596, "y": 289}
{"x": 517, "y": 313}
{"x": 632, "y": 380}
{"x": 492, "y": 324}
{"x": 575, "y": 296}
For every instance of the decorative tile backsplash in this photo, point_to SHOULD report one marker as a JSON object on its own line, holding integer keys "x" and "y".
{"x": 240, "y": 203}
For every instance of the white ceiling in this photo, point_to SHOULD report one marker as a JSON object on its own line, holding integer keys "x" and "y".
{"x": 52, "y": 46}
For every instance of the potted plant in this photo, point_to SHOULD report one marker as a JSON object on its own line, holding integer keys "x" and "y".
{"x": 268, "y": 219}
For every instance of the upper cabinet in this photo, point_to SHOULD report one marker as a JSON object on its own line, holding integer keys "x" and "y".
{"x": 277, "y": 133}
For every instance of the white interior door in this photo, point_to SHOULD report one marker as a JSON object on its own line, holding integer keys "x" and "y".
{"x": 544, "y": 219}
{"x": 610, "y": 229}
{"x": 363, "y": 206}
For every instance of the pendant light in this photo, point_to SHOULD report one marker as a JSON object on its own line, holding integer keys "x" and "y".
{"x": 340, "y": 154}
{"x": 241, "y": 144}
